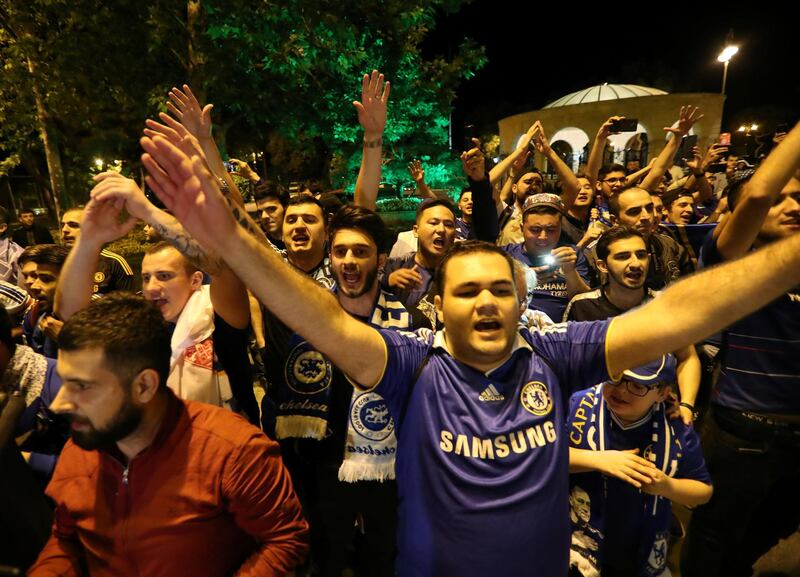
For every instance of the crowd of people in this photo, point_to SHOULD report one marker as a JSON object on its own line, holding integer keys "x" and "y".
{"x": 523, "y": 384}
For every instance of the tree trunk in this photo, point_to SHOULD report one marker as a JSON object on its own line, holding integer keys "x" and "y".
{"x": 51, "y": 148}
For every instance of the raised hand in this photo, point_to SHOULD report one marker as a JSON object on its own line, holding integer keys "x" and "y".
{"x": 101, "y": 221}
{"x": 188, "y": 189}
{"x": 416, "y": 170}
{"x": 713, "y": 155}
{"x": 372, "y": 108}
{"x": 112, "y": 186}
{"x": 696, "y": 162}
{"x": 689, "y": 115}
{"x": 540, "y": 141}
{"x": 186, "y": 108}
{"x": 605, "y": 129}
{"x": 473, "y": 162}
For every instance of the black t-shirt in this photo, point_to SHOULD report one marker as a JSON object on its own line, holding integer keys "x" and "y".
{"x": 595, "y": 306}
{"x": 230, "y": 347}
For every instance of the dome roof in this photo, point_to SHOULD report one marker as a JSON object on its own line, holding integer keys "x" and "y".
{"x": 605, "y": 92}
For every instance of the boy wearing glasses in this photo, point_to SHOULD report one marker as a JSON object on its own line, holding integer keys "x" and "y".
{"x": 628, "y": 460}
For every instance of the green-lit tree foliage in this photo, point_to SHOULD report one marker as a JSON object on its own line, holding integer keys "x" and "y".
{"x": 282, "y": 77}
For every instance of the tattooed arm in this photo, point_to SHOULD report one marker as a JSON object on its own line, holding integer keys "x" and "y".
{"x": 228, "y": 294}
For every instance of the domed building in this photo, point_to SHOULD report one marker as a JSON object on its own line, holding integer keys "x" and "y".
{"x": 571, "y": 122}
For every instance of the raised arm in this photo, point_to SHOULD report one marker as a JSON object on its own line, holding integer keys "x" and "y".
{"x": 372, "y": 118}
{"x": 719, "y": 296}
{"x": 228, "y": 294}
{"x": 417, "y": 173}
{"x": 739, "y": 230}
{"x": 189, "y": 190}
{"x": 689, "y": 115}
{"x": 595, "y": 160}
{"x": 515, "y": 159}
{"x": 484, "y": 217}
{"x": 569, "y": 182}
{"x": 100, "y": 225}
{"x": 197, "y": 120}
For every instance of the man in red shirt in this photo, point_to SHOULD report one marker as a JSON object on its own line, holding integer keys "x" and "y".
{"x": 150, "y": 484}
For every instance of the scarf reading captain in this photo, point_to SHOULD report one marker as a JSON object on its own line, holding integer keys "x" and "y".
{"x": 588, "y": 490}
{"x": 303, "y": 406}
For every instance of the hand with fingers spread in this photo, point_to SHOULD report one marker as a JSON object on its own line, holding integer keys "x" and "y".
{"x": 372, "y": 108}
{"x": 519, "y": 163}
{"x": 689, "y": 115}
{"x": 113, "y": 187}
{"x": 186, "y": 108}
{"x": 176, "y": 133}
{"x": 627, "y": 466}
{"x": 188, "y": 189}
{"x": 405, "y": 278}
{"x": 416, "y": 171}
{"x": 473, "y": 162}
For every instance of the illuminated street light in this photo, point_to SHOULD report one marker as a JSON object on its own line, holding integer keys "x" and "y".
{"x": 725, "y": 57}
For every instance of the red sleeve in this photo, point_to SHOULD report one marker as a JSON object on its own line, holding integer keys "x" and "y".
{"x": 62, "y": 555}
{"x": 260, "y": 496}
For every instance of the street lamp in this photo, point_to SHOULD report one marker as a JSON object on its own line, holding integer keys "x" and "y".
{"x": 725, "y": 57}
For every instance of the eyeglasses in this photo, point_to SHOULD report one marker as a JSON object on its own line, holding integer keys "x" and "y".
{"x": 616, "y": 180}
{"x": 634, "y": 388}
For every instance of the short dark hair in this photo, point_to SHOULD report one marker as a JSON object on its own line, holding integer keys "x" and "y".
{"x": 432, "y": 202}
{"x": 315, "y": 185}
{"x": 51, "y": 254}
{"x": 612, "y": 235}
{"x": 266, "y": 189}
{"x": 128, "y": 329}
{"x": 464, "y": 191}
{"x": 606, "y": 169}
{"x": 157, "y": 247}
{"x": 5, "y": 217}
{"x": 24, "y": 210}
{"x": 671, "y": 196}
{"x": 361, "y": 219}
{"x": 465, "y": 248}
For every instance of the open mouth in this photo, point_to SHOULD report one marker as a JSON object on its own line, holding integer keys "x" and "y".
{"x": 438, "y": 243}
{"x": 353, "y": 277}
{"x": 300, "y": 238}
{"x": 488, "y": 326}
{"x": 633, "y": 275}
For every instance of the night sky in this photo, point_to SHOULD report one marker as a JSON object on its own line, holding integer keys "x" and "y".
{"x": 536, "y": 56}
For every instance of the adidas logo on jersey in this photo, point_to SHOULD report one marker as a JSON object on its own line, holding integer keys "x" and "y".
{"x": 491, "y": 394}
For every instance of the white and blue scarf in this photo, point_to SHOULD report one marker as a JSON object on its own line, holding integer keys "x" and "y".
{"x": 304, "y": 402}
{"x": 589, "y": 426}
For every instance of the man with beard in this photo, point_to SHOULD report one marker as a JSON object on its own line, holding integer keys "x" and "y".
{"x": 622, "y": 258}
{"x": 113, "y": 272}
{"x": 339, "y": 443}
{"x": 174, "y": 487}
{"x": 633, "y": 207}
{"x": 751, "y": 436}
{"x": 411, "y": 277}
{"x": 479, "y": 405}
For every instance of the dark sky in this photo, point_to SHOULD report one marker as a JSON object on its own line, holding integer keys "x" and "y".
{"x": 536, "y": 56}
